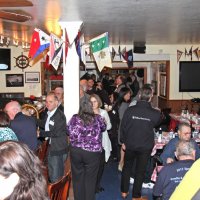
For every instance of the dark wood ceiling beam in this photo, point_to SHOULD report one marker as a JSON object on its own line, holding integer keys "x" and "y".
{"x": 14, "y": 16}
{"x": 15, "y": 3}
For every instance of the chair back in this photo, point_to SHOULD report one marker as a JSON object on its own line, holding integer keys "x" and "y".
{"x": 60, "y": 189}
{"x": 31, "y": 109}
{"x": 41, "y": 152}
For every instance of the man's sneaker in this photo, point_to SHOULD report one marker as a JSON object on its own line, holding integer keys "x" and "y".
{"x": 131, "y": 180}
{"x": 148, "y": 185}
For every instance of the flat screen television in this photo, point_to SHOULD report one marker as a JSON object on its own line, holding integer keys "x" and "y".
{"x": 5, "y": 59}
{"x": 189, "y": 76}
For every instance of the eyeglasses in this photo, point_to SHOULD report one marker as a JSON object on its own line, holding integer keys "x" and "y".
{"x": 187, "y": 133}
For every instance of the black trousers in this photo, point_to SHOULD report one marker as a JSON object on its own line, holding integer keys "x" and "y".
{"x": 141, "y": 158}
{"x": 149, "y": 169}
{"x": 101, "y": 169}
{"x": 84, "y": 165}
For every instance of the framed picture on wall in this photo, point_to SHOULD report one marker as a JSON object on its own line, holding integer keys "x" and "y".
{"x": 14, "y": 80}
{"x": 32, "y": 77}
{"x": 163, "y": 89}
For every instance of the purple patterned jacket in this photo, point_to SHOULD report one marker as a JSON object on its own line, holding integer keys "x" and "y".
{"x": 86, "y": 137}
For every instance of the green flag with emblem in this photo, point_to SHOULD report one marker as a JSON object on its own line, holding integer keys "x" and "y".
{"x": 101, "y": 52}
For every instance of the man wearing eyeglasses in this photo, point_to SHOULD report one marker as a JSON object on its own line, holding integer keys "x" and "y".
{"x": 184, "y": 133}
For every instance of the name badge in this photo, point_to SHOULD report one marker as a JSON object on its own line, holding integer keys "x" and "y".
{"x": 51, "y": 123}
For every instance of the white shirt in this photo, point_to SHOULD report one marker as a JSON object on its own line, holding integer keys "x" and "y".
{"x": 50, "y": 114}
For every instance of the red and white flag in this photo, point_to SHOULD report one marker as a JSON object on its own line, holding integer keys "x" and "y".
{"x": 40, "y": 41}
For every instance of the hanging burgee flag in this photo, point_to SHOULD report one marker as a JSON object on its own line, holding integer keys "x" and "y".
{"x": 196, "y": 52}
{"x": 124, "y": 54}
{"x": 57, "y": 56}
{"x": 67, "y": 44}
{"x": 179, "y": 54}
{"x": 113, "y": 53}
{"x": 55, "y": 50}
{"x": 55, "y": 43}
{"x": 130, "y": 58}
{"x": 190, "y": 53}
{"x": 119, "y": 52}
{"x": 101, "y": 52}
{"x": 40, "y": 42}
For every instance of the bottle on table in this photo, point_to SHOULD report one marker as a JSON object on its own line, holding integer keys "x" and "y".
{"x": 160, "y": 135}
{"x": 171, "y": 134}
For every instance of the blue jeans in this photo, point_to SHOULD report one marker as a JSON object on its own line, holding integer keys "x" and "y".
{"x": 56, "y": 167}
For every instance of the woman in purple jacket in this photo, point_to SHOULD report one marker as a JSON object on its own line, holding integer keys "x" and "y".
{"x": 85, "y": 133}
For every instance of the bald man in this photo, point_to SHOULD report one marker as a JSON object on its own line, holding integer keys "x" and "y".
{"x": 24, "y": 126}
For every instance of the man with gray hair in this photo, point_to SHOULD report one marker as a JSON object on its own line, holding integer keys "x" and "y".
{"x": 184, "y": 133}
{"x": 172, "y": 174}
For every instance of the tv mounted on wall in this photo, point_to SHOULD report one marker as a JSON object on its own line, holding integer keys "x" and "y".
{"x": 189, "y": 76}
{"x": 5, "y": 59}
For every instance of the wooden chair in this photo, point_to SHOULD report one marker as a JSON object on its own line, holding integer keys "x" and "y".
{"x": 41, "y": 152}
{"x": 60, "y": 189}
{"x": 30, "y": 110}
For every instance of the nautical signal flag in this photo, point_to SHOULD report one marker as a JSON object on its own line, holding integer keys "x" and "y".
{"x": 179, "y": 54}
{"x": 78, "y": 44}
{"x": 113, "y": 53}
{"x": 40, "y": 42}
{"x": 101, "y": 52}
{"x": 124, "y": 54}
{"x": 57, "y": 57}
{"x": 67, "y": 44}
{"x": 55, "y": 50}
{"x": 130, "y": 58}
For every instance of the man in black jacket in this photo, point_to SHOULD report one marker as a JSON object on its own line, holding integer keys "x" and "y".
{"x": 54, "y": 126}
{"x": 137, "y": 137}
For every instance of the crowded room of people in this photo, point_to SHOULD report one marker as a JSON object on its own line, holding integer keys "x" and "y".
{"x": 99, "y": 100}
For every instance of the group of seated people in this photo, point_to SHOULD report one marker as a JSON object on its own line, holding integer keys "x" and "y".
{"x": 21, "y": 132}
{"x": 177, "y": 158}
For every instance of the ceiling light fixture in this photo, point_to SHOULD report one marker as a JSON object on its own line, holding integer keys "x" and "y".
{"x": 25, "y": 45}
{"x": 15, "y": 42}
{"x": 7, "y": 41}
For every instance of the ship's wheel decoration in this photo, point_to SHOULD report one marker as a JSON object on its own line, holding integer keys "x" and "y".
{"x": 22, "y": 62}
